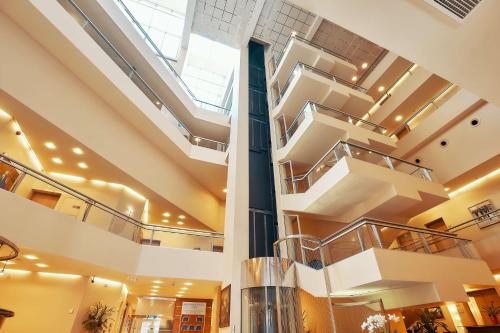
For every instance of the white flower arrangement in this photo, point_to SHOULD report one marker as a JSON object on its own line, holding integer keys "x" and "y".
{"x": 377, "y": 323}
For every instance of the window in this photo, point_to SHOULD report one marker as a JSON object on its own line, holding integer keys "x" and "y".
{"x": 163, "y": 21}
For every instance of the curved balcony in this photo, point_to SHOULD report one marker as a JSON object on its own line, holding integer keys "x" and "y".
{"x": 309, "y": 83}
{"x": 317, "y": 127}
{"x": 298, "y": 49}
{"x": 351, "y": 181}
{"x": 139, "y": 81}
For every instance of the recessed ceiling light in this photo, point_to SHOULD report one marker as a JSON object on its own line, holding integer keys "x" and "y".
{"x": 78, "y": 151}
{"x": 31, "y": 257}
{"x": 184, "y": 288}
{"x": 446, "y": 189}
{"x": 354, "y": 78}
{"x": 364, "y": 65}
{"x": 181, "y": 292}
{"x": 83, "y": 165}
{"x": 164, "y": 221}
{"x": 50, "y": 145}
{"x": 166, "y": 214}
{"x": 157, "y": 102}
{"x": 8, "y": 262}
{"x": 157, "y": 281}
{"x": 42, "y": 265}
{"x": 180, "y": 222}
{"x": 188, "y": 283}
{"x": 155, "y": 287}
{"x": 57, "y": 160}
{"x": 381, "y": 88}
{"x": 182, "y": 217}
{"x": 178, "y": 295}
{"x": 398, "y": 118}
{"x": 224, "y": 190}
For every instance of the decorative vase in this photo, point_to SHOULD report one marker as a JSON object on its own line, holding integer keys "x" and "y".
{"x": 494, "y": 320}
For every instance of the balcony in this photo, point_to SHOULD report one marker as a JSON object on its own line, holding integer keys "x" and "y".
{"x": 309, "y": 83}
{"x": 82, "y": 208}
{"x": 351, "y": 181}
{"x": 371, "y": 257}
{"x": 298, "y": 49}
{"x": 317, "y": 127}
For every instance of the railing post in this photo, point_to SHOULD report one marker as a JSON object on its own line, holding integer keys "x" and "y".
{"x": 361, "y": 238}
{"x": 425, "y": 244}
{"x": 462, "y": 246}
{"x": 388, "y": 161}
{"x": 427, "y": 174}
{"x": 88, "y": 206}
{"x": 212, "y": 244}
{"x": 152, "y": 236}
{"x": 347, "y": 149}
{"x": 17, "y": 182}
{"x": 376, "y": 236}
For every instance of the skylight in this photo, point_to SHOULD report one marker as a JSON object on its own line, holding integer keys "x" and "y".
{"x": 208, "y": 68}
{"x": 163, "y": 20}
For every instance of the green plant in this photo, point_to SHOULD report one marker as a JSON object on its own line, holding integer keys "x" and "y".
{"x": 491, "y": 310}
{"x": 98, "y": 318}
{"x": 428, "y": 323}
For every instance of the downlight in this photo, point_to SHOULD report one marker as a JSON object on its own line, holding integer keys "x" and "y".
{"x": 474, "y": 122}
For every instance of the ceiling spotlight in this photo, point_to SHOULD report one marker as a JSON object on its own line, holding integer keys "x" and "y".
{"x": 83, "y": 165}
{"x": 155, "y": 287}
{"x": 157, "y": 281}
{"x": 31, "y": 257}
{"x": 182, "y": 217}
{"x": 178, "y": 295}
{"x": 50, "y": 145}
{"x": 165, "y": 220}
{"x": 77, "y": 151}
{"x": 224, "y": 190}
{"x": 157, "y": 102}
{"x": 41, "y": 265}
{"x": 446, "y": 189}
{"x": 166, "y": 214}
{"x": 188, "y": 283}
{"x": 381, "y": 88}
{"x": 57, "y": 160}
{"x": 180, "y": 222}
{"x": 8, "y": 262}
{"x": 364, "y": 65}
{"x": 184, "y": 288}
{"x": 398, "y": 118}
{"x": 354, "y": 78}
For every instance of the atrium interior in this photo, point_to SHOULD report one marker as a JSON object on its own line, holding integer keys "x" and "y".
{"x": 249, "y": 166}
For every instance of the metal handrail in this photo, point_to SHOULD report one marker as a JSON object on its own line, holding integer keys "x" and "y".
{"x": 317, "y": 105}
{"x": 15, "y": 249}
{"x": 24, "y": 169}
{"x": 134, "y": 71}
{"x": 341, "y": 142}
{"x": 419, "y": 111}
{"x": 167, "y": 59}
{"x": 299, "y": 66}
{"x": 474, "y": 221}
{"x": 277, "y": 60}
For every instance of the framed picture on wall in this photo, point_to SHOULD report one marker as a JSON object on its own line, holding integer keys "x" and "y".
{"x": 225, "y": 307}
{"x": 485, "y": 213}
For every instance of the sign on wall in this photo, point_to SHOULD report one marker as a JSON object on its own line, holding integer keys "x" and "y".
{"x": 194, "y": 308}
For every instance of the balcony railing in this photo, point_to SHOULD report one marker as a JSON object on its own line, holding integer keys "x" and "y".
{"x": 311, "y": 107}
{"x": 107, "y": 218}
{"x": 166, "y": 60}
{"x": 367, "y": 233}
{"x": 298, "y": 183}
{"x": 426, "y": 110}
{"x": 299, "y": 67}
{"x": 275, "y": 61}
{"x": 74, "y": 10}
{"x": 488, "y": 219}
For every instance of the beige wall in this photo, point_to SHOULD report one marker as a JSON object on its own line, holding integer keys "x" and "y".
{"x": 51, "y": 304}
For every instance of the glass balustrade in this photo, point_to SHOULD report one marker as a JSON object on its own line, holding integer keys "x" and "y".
{"x": 86, "y": 209}
{"x": 311, "y": 107}
{"x": 368, "y": 233}
{"x": 280, "y": 90}
{"x": 293, "y": 180}
{"x": 425, "y": 111}
{"x": 166, "y": 61}
{"x": 275, "y": 60}
{"x": 92, "y": 30}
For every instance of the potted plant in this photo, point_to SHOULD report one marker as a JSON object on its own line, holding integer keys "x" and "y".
{"x": 492, "y": 311}
{"x": 98, "y": 318}
{"x": 428, "y": 323}
{"x": 377, "y": 323}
